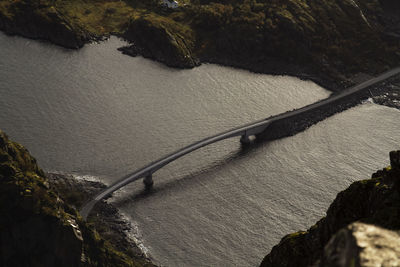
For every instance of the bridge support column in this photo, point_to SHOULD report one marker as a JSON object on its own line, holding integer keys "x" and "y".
{"x": 245, "y": 139}
{"x": 148, "y": 181}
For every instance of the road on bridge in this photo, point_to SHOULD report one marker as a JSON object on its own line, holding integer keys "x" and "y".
{"x": 245, "y": 131}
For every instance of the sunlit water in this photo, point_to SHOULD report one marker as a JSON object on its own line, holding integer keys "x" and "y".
{"x": 98, "y": 112}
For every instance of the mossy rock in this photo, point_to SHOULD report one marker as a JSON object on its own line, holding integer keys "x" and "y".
{"x": 334, "y": 39}
{"x": 37, "y": 228}
{"x": 163, "y": 40}
{"x": 374, "y": 201}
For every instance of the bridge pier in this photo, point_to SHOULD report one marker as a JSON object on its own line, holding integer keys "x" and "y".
{"x": 246, "y": 139}
{"x": 148, "y": 181}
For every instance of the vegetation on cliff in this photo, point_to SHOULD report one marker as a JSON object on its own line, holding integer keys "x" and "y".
{"x": 375, "y": 201}
{"x": 37, "y": 228}
{"x": 326, "y": 39}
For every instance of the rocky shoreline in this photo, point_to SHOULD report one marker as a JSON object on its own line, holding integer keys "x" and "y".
{"x": 105, "y": 218}
{"x": 39, "y": 211}
{"x": 161, "y": 36}
{"x": 389, "y": 95}
{"x": 359, "y": 229}
{"x": 322, "y": 42}
{"x": 41, "y": 227}
{"x": 113, "y": 227}
{"x": 384, "y": 93}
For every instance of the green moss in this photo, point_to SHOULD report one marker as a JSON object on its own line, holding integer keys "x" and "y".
{"x": 295, "y": 235}
{"x": 25, "y": 199}
{"x": 294, "y": 238}
{"x": 353, "y": 262}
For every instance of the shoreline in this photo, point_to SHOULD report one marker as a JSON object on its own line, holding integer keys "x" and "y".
{"x": 294, "y": 40}
{"x": 383, "y": 93}
{"x": 111, "y": 224}
{"x": 373, "y": 202}
{"x": 275, "y": 67}
{"x": 106, "y": 216}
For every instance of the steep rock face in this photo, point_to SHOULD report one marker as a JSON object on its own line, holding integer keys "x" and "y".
{"x": 374, "y": 201}
{"x": 392, "y": 16}
{"x": 326, "y": 41}
{"x": 361, "y": 244}
{"x": 41, "y": 21}
{"x": 106, "y": 219}
{"x": 161, "y": 40}
{"x": 324, "y": 38}
{"x": 36, "y": 227}
{"x": 337, "y": 38}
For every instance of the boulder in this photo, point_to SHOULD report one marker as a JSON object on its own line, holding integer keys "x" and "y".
{"x": 161, "y": 40}
{"x": 361, "y": 244}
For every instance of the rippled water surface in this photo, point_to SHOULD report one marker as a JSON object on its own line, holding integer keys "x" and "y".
{"x": 98, "y": 112}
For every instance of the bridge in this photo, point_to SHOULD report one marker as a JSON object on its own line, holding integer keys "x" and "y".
{"x": 247, "y": 132}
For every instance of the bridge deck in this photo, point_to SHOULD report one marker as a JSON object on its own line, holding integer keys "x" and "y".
{"x": 245, "y": 130}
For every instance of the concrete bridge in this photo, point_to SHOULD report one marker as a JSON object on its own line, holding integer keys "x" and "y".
{"x": 273, "y": 127}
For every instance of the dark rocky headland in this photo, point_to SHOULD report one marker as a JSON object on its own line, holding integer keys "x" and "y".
{"x": 360, "y": 228}
{"x": 39, "y": 225}
{"x": 328, "y": 42}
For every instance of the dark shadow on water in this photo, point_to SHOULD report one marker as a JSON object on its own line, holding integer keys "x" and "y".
{"x": 205, "y": 174}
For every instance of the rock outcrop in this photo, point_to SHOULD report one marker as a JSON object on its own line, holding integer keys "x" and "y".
{"x": 361, "y": 244}
{"x": 162, "y": 40}
{"x": 106, "y": 219}
{"x": 37, "y": 228}
{"x": 41, "y": 21}
{"x": 374, "y": 201}
{"x": 326, "y": 41}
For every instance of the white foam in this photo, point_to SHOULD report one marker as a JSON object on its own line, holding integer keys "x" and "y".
{"x": 135, "y": 235}
{"x": 88, "y": 178}
{"x": 370, "y": 100}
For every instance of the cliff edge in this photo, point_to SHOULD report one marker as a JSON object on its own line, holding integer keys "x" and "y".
{"x": 360, "y": 227}
{"x": 37, "y": 228}
{"x": 325, "y": 41}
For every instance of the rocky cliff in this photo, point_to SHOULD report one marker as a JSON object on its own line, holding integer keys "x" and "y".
{"x": 35, "y": 20}
{"x": 356, "y": 229}
{"x": 361, "y": 244}
{"x": 162, "y": 40}
{"x": 37, "y": 228}
{"x": 326, "y": 41}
